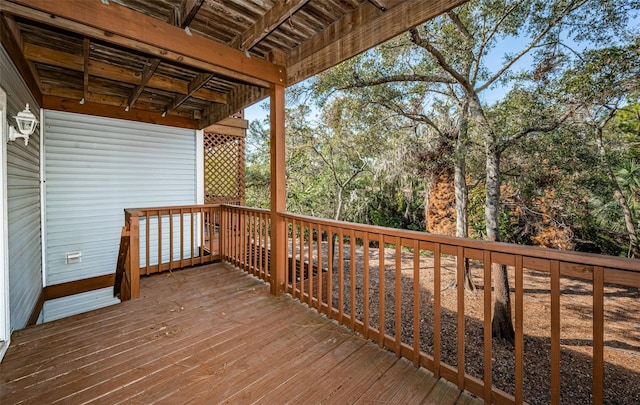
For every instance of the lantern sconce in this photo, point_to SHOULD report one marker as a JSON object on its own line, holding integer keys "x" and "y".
{"x": 26, "y": 122}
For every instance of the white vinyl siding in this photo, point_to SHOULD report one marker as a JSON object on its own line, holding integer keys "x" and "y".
{"x": 23, "y": 201}
{"x": 95, "y": 168}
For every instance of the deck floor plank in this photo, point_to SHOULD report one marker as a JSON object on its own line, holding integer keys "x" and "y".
{"x": 210, "y": 334}
{"x": 387, "y": 386}
{"x": 118, "y": 352}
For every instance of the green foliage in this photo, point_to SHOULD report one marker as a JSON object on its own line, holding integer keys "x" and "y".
{"x": 365, "y": 138}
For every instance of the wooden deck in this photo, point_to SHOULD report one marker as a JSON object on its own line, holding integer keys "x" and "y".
{"x": 211, "y": 334}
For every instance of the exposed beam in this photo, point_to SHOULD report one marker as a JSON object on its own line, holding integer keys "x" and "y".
{"x": 102, "y": 110}
{"x": 279, "y": 13}
{"x": 241, "y": 97}
{"x": 200, "y": 80}
{"x": 359, "y": 30}
{"x": 148, "y": 71}
{"x": 145, "y": 104}
{"x": 86, "y": 49}
{"x": 119, "y": 25}
{"x": 65, "y": 60}
{"x": 12, "y": 42}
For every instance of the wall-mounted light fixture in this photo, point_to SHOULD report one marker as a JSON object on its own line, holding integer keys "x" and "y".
{"x": 26, "y": 122}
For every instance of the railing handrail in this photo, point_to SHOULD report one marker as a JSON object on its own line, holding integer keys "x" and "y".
{"x": 581, "y": 258}
{"x": 141, "y": 211}
{"x": 247, "y": 209}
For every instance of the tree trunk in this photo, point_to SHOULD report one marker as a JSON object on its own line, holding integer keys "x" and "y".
{"x": 460, "y": 185}
{"x": 333, "y": 241}
{"x": 501, "y": 324}
{"x": 618, "y": 195}
{"x": 441, "y": 211}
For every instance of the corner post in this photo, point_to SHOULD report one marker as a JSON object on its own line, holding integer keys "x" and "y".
{"x": 134, "y": 255}
{"x": 278, "y": 190}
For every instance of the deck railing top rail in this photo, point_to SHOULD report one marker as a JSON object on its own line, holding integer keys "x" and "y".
{"x": 582, "y": 258}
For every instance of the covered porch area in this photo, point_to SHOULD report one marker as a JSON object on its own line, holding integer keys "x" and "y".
{"x": 209, "y": 334}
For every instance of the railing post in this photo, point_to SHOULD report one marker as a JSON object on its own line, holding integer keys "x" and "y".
{"x": 278, "y": 190}
{"x": 134, "y": 255}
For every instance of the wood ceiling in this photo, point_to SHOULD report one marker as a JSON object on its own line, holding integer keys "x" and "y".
{"x": 189, "y": 63}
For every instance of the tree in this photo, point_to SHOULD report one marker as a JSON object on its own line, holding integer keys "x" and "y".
{"x": 602, "y": 81}
{"x": 480, "y": 23}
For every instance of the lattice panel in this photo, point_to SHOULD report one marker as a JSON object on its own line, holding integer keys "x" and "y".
{"x": 223, "y": 168}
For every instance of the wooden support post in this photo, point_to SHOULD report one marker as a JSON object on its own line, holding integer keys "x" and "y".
{"x": 278, "y": 190}
{"x": 134, "y": 255}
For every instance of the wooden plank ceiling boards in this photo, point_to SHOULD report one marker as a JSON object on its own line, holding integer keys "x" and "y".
{"x": 189, "y": 63}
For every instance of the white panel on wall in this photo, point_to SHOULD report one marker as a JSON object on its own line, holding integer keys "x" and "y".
{"x": 76, "y": 304}
{"x": 23, "y": 201}
{"x": 95, "y": 168}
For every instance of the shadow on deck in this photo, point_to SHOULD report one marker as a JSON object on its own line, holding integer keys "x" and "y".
{"x": 205, "y": 335}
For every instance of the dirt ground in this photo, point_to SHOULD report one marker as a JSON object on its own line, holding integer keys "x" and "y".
{"x": 622, "y": 326}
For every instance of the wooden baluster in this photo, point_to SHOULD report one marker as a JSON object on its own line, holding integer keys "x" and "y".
{"x": 352, "y": 278}
{"x": 201, "y": 223}
{"x": 416, "y": 303}
{"x": 193, "y": 242}
{"x": 330, "y": 272}
{"x": 294, "y": 261}
{"x": 310, "y": 267}
{"x": 555, "y": 332}
{"x": 366, "y": 286}
{"x": 302, "y": 256}
{"x": 340, "y": 275}
{"x": 147, "y": 242}
{"x": 437, "y": 269}
{"x": 181, "y": 238}
{"x": 259, "y": 256}
{"x": 598, "y": 335}
{"x": 171, "y": 239}
{"x": 287, "y": 262}
{"x": 487, "y": 328}
{"x": 398, "y": 297}
{"x": 519, "y": 341}
{"x": 381, "y": 293}
{"x": 460, "y": 316}
{"x": 319, "y": 268}
{"x": 159, "y": 241}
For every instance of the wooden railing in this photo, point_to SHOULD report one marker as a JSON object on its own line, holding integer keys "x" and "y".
{"x": 162, "y": 239}
{"x": 246, "y": 240}
{"x": 340, "y": 281}
{"x": 341, "y": 268}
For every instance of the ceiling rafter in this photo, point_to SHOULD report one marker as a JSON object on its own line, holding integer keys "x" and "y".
{"x": 351, "y": 34}
{"x": 86, "y": 55}
{"x": 183, "y": 15}
{"x": 119, "y": 25}
{"x": 279, "y": 13}
{"x": 52, "y": 57}
{"x": 381, "y": 4}
{"x": 148, "y": 71}
{"x": 200, "y": 80}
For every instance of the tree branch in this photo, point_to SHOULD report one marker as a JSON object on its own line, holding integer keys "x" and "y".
{"x": 486, "y": 41}
{"x": 424, "y": 43}
{"x": 359, "y": 83}
{"x": 534, "y": 42}
{"x": 534, "y": 128}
